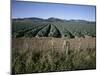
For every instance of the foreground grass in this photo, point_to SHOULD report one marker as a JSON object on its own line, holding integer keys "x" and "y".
{"x": 36, "y": 61}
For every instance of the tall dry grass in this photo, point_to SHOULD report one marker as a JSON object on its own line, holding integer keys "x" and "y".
{"x": 46, "y": 55}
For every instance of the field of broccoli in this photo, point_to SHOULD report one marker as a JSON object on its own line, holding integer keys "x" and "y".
{"x": 53, "y": 28}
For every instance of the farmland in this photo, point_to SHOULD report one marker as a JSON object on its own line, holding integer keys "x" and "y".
{"x": 48, "y": 45}
{"x": 52, "y": 28}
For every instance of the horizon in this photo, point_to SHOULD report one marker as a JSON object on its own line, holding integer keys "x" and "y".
{"x": 54, "y": 18}
{"x": 21, "y": 9}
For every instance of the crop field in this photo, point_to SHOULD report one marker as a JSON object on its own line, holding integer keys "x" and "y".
{"x": 52, "y": 45}
{"x": 58, "y": 29}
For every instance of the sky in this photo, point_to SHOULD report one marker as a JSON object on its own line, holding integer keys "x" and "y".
{"x": 21, "y": 9}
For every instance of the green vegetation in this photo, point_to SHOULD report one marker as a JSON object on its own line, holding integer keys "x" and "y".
{"x": 52, "y": 28}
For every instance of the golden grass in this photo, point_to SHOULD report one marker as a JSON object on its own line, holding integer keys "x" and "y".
{"x": 34, "y": 55}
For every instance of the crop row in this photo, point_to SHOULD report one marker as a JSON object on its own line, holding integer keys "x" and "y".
{"x": 53, "y": 29}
